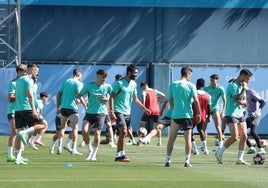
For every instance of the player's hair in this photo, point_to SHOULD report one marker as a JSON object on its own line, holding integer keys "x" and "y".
{"x": 143, "y": 84}
{"x": 185, "y": 70}
{"x": 131, "y": 68}
{"x": 246, "y": 72}
{"x": 102, "y": 72}
{"x": 200, "y": 83}
{"x": 43, "y": 94}
{"x": 214, "y": 76}
{"x": 21, "y": 67}
{"x": 118, "y": 77}
{"x": 32, "y": 65}
{"x": 77, "y": 71}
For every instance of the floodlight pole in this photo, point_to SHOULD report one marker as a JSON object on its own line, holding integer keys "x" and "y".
{"x": 18, "y": 20}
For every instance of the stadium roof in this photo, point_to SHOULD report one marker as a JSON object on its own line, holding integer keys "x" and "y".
{"x": 152, "y": 3}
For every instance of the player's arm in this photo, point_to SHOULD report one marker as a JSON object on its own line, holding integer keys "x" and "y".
{"x": 163, "y": 107}
{"x": 111, "y": 105}
{"x": 139, "y": 103}
{"x": 31, "y": 101}
{"x": 11, "y": 97}
{"x": 197, "y": 107}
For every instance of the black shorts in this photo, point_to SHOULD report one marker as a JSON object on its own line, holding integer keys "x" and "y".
{"x": 122, "y": 120}
{"x": 185, "y": 123}
{"x": 67, "y": 112}
{"x": 97, "y": 120}
{"x": 232, "y": 119}
{"x": 166, "y": 121}
{"x": 10, "y": 117}
{"x": 146, "y": 118}
{"x": 24, "y": 118}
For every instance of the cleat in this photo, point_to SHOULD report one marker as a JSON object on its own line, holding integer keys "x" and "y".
{"x": 24, "y": 159}
{"x": 167, "y": 164}
{"x": 20, "y": 162}
{"x": 38, "y": 142}
{"x": 22, "y": 137}
{"x": 242, "y": 162}
{"x": 262, "y": 151}
{"x": 59, "y": 150}
{"x": 187, "y": 165}
{"x": 206, "y": 152}
{"x": 94, "y": 158}
{"x": 67, "y": 148}
{"x": 123, "y": 158}
{"x": 89, "y": 156}
{"x": 218, "y": 157}
{"x": 51, "y": 149}
{"x": 74, "y": 152}
{"x": 33, "y": 146}
{"x": 113, "y": 145}
{"x": 159, "y": 144}
{"x": 251, "y": 150}
{"x": 11, "y": 158}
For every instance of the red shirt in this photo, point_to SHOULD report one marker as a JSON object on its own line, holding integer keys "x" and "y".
{"x": 151, "y": 101}
{"x": 203, "y": 98}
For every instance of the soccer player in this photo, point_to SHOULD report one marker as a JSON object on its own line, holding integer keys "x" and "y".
{"x": 216, "y": 92}
{"x": 182, "y": 94}
{"x": 124, "y": 92}
{"x": 234, "y": 116}
{"x": 67, "y": 107}
{"x": 21, "y": 71}
{"x": 98, "y": 95}
{"x": 204, "y": 102}
{"x": 254, "y": 105}
{"x": 150, "y": 99}
{"x": 164, "y": 122}
{"x": 26, "y": 113}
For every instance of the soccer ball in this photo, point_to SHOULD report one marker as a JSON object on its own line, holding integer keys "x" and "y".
{"x": 142, "y": 132}
{"x": 258, "y": 158}
{"x": 263, "y": 143}
{"x": 217, "y": 142}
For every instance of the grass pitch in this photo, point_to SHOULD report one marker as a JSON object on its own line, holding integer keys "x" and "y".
{"x": 145, "y": 170}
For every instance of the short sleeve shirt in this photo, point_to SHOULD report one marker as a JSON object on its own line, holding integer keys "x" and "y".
{"x": 11, "y": 90}
{"x": 215, "y": 94}
{"x": 124, "y": 91}
{"x": 232, "y": 107}
{"x": 70, "y": 88}
{"x": 182, "y": 92}
{"x": 94, "y": 92}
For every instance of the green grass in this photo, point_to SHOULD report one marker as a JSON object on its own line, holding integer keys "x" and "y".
{"x": 146, "y": 169}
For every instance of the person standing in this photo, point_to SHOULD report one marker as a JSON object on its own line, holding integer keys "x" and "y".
{"x": 21, "y": 71}
{"x": 204, "y": 102}
{"x": 124, "y": 92}
{"x": 25, "y": 112}
{"x": 216, "y": 92}
{"x": 67, "y": 107}
{"x": 150, "y": 99}
{"x": 182, "y": 94}
{"x": 234, "y": 116}
{"x": 98, "y": 95}
{"x": 254, "y": 105}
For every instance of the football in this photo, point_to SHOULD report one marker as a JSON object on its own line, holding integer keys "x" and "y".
{"x": 142, "y": 132}
{"x": 258, "y": 158}
{"x": 263, "y": 143}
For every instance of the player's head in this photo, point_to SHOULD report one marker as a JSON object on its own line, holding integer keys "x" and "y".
{"x": 33, "y": 69}
{"x": 21, "y": 69}
{"x": 214, "y": 79}
{"x": 101, "y": 75}
{"x": 118, "y": 77}
{"x": 77, "y": 73}
{"x": 245, "y": 75}
{"x": 143, "y": 85}
{"x": 186, "y": 72}
{"x": 200, "y": 83}
{"x": 132, "y": 72}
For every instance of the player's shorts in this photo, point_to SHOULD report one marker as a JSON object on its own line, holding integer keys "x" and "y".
{"x": 107, "y": 119}
{"x": 146, "y": 118}
{"x": 24, "y": 118}
{"x": 58, "y": 123}
{"x": 97, "y": 120}
{"x": 166, "y": 121}
{"x": 10, "y": 117}
{"x": 185, "y": 123}
{"x": 122, "y": 120}
{"x": 67, "y": 112}
{"x": 232, "y": 119}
